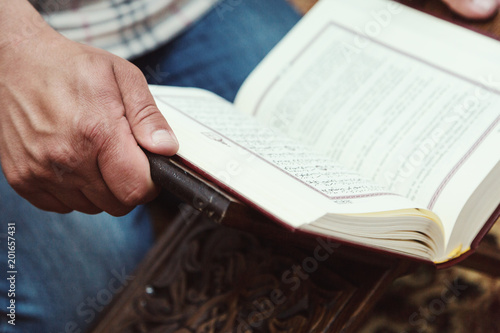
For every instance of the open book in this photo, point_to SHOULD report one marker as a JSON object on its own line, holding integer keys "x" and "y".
{"x": 369, "y": 123}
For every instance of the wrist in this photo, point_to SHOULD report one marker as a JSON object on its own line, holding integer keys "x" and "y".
{"x": 19, "y": 22}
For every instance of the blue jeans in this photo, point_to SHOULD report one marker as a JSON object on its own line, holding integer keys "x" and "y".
{"x": 69, "y": 266}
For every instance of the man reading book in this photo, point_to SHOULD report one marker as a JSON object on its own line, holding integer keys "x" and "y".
{"x": 72, "y": 118}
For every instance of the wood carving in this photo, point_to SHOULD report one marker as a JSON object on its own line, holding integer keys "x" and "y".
{"x": 223, "y": 280}
{"x": 203, "y": 277}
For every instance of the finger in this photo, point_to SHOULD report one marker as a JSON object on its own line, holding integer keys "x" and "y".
{"x": 76, "y": 200}
{"x": 473, "y": 9}
{"x": 45, "y": 201}
{"x": 100, "y": 195}
{"x": 148, "y": 125}
{"x": 93, "y": 194}
{"x": 125, "y": 167}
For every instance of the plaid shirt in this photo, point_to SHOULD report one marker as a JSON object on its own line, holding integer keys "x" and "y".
{"x": 127, "y": 28}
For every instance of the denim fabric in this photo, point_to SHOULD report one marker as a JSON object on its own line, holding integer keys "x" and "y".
{"x": 220, "y": 50}
{"x": 69, "y": 266}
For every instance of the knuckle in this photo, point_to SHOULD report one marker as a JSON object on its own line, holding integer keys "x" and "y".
{"x": 55, "y": 162}
{"x": 61, "y": 156}
{"x": 134, "y": 195}
{"x": 145, "y": 115}
{"x": 133, "y": 198}
{"x": 95, "y": 134}
{"x": 107, "y": 100}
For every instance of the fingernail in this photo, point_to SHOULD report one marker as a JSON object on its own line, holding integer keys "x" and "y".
{"x": 484, "y": 5}
{"x": 163, "y": 137}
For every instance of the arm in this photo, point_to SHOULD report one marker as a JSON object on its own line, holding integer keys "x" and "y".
{"x": 72, "y": 118}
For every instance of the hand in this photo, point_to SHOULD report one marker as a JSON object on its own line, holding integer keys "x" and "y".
{"x": 72, "y": 118}
{"x": 474, "y": 9}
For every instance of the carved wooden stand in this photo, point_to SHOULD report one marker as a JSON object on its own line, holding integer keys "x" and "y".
{"x": 203, "y": 277}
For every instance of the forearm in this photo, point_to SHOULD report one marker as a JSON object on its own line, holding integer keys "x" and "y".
{"x": 19, "y": 21}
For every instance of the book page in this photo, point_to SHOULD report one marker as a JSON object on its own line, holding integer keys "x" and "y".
{"x": 388, "y": 92}
{"x": 263, "y": 166}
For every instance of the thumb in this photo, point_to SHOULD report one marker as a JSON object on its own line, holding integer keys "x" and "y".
{"x": 148, "y": 125}
{"x": 473, "y": 9}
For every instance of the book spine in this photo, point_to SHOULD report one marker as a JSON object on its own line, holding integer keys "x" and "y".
{"x": 171, "y": 176}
